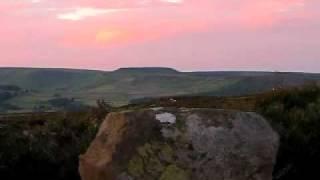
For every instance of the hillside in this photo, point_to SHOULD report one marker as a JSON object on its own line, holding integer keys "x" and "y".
{"x": 52, "y": 89}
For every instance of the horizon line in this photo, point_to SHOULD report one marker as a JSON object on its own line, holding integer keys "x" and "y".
{"x": 164, "y": 67}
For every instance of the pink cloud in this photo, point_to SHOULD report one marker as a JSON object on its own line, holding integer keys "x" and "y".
{"x": 135, "y": 24}
{"x": 179, "y": 33}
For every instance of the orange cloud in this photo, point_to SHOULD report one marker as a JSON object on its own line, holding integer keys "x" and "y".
{"x": 119, "y": 34}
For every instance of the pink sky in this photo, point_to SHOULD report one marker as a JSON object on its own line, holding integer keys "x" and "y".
{"x": 275, "y": 35}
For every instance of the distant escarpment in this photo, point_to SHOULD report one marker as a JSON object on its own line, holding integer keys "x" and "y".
{"x": 181, "y": 144}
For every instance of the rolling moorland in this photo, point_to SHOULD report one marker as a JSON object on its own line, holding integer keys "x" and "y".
{"x": 45, "y": 90}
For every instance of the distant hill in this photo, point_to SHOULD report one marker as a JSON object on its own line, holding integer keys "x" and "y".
{"x": 38, "y": 88}
{"x": 157, "y": 70}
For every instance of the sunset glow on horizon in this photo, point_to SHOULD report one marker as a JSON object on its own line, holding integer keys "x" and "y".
{"x": 273, "y": 35}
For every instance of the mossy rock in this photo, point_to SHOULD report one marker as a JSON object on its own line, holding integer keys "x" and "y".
{"x": 145, "y": 151}
{"x": 166, "y": 153}
{"x": 141, "y": 146}
{"x": 136, "y": 166}
{"x": 151, "y": 159}
{"x": 154, "y": 166}
{"x": 172, "y": 172}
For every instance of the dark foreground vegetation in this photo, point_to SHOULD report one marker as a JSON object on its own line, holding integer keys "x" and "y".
{"x": 295, "y": 114}
{"x": 47, "y": 145}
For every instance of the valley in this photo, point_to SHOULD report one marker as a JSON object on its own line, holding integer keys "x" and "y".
{"x": 39, "y": 90}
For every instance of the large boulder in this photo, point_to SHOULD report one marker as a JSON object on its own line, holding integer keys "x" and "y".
{"x": 181, "y": 144}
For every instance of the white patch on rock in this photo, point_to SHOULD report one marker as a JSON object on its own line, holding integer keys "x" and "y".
{"x": 166, "y": 118}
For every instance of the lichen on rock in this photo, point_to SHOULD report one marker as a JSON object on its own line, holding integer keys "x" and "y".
{"x": 172, "y": 172}
{"x": 181, "y": 144}
{"x": 136, "y": 166}
{"x": 150, "y": 159}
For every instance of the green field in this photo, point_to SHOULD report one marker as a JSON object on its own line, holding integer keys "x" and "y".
{"x": 83, "y": 87}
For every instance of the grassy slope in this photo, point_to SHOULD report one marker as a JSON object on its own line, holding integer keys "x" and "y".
{"x": 119, "y": 87}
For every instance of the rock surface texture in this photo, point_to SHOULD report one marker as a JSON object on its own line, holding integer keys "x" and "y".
{"x": 181, "y": 144}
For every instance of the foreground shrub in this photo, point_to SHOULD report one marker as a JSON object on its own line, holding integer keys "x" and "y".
{"x": 46, "y": 146}
{"x": 295, "y": 114}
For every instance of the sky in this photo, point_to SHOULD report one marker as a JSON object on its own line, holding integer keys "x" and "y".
{"x": 189, "y": 35}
